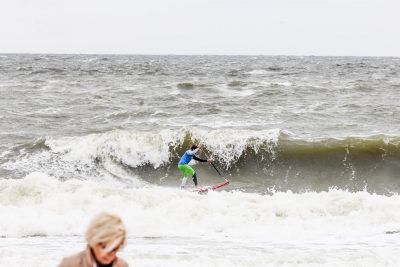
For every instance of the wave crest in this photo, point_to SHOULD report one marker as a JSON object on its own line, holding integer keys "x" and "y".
{"x": 255, "y": 159}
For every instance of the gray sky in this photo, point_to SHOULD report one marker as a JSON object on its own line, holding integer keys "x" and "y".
{"x": 280, "y": 27}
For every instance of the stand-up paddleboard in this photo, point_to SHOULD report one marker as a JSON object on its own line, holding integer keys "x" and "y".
{"x": 207, "y": 188}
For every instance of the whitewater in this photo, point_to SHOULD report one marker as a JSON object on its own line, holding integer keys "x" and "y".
{"x": 310, "y": 144}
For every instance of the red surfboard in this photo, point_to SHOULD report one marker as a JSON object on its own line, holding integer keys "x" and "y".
{"x": 211, "y": 187}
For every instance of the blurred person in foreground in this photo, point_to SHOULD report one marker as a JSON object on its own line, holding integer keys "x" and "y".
{"x": 105, "y": 236}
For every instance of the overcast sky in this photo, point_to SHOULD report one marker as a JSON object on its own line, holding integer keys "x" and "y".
{"x": 280, "y": 27}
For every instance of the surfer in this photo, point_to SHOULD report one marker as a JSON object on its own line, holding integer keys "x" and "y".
{"x": 186, "y": 170}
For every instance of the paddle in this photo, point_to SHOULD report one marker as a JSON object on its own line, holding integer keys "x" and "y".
{"x": 217, "y": 170}
{"x": 205, "y": 189}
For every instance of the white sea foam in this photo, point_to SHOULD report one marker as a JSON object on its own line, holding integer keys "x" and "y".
{"x": 282, "y": 83}
{"x": 43, "y": 220}
{"x": 286, "y": 83}
{"x": 257, "y": 72}
{"x": 228, "y": 145}
{"x": 133, "y": 149}
{"x": 40, "y": 205}
{"x": 4, "y": 153}
{"x": 78, "y": 155}
{"x": 235, "y": 92}
{"x": 181, "y": 252}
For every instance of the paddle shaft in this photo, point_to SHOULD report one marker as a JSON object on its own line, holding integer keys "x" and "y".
{"x": 216, "y": 169}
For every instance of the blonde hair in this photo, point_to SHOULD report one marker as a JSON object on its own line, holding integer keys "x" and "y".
{"x": 106, "y": 228}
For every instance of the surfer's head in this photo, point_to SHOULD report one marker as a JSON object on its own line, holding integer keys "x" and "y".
{"x": 194, "y": 148}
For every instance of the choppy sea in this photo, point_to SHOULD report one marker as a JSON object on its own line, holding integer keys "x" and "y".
{"x": 311, "y": 146}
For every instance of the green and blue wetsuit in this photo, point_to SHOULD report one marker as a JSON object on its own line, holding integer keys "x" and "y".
{"x": 186, "y": 170}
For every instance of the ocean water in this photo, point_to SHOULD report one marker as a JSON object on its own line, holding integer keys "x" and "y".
{"x": 311, "y": 146}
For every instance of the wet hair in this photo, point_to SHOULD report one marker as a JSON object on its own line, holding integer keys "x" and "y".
{"x": 194, "y": 147}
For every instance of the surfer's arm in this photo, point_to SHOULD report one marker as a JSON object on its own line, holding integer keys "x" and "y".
{"x": 199, "y": 159}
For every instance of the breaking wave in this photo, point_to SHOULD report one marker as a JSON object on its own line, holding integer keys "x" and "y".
{"x": 53, "y": 208}
{"x": 253, "y": 159}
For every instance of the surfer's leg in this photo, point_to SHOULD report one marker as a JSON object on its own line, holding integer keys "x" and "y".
{"x": 184, "y": 179}
{"x": 186, "y": 171}
{"x": 195, "y": 179}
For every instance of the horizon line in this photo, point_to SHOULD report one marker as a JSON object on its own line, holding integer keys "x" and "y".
{"x": 183, "y": 54}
